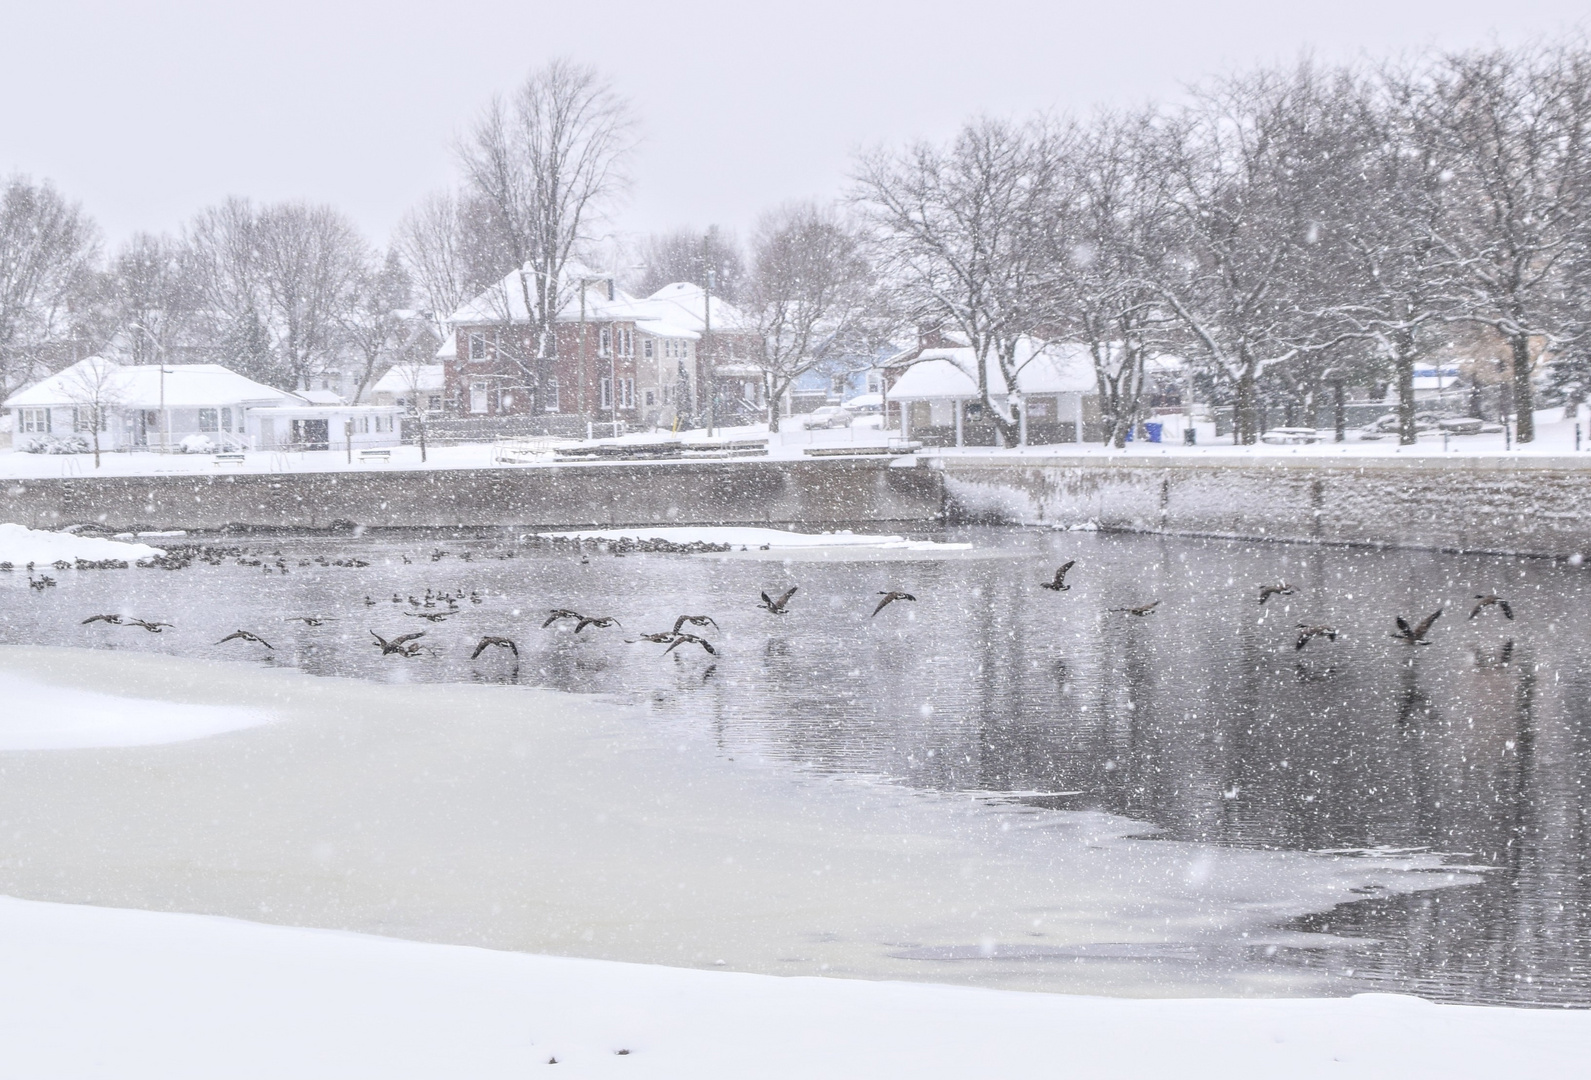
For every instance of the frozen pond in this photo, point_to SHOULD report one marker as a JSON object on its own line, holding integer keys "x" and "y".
{"x": 1200, "y": 723}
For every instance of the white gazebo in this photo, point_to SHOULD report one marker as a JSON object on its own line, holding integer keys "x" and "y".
{"x": 1056, "y": 390}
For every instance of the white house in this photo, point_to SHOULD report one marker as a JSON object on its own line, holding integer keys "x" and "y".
{"x": 422, "y": 387}
{"x": 1056, "y": 397}
{"x": 158, "y": 406}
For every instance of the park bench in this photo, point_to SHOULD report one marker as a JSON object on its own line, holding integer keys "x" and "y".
{"x": 375, "y": 455}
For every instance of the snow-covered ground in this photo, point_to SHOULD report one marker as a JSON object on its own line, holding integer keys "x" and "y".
{"x": 20, "y": 545}
{"x": 97, "y": 992}
{"x": 42, "y": 716}
{"x": 1555, "y": 438}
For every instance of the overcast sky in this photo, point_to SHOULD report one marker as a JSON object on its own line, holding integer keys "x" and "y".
{"x": 148, "y": 112}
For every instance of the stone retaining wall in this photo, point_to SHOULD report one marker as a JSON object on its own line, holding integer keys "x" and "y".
{"x": 1525, "y": 505}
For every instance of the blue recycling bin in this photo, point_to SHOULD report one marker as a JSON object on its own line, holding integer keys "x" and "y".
{"x": 1154, "y": 431}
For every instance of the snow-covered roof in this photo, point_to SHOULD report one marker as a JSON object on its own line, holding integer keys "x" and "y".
{"x": 675, "y": 310}
{"x": 186, "y": 386}
{"x": 402, "y": 378}
{"x": 1063, "y": 368}
{"x": 320, "y": 397}
{"x": 450, "y": 348}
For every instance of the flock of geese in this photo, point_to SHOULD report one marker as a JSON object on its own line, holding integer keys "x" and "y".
{"x": 438, "y": 606}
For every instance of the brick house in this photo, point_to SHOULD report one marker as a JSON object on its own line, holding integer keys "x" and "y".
{"x": 641, "y": 361}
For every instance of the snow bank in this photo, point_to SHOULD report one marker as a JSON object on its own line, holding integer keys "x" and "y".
{"x": 39, "y": 716}
{"x": 773, "y": 539}
{"x": 92, "y": 992}
{"x": 20, "y": 545}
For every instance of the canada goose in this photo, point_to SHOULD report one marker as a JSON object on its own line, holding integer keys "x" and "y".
{"x": 402, "y": 645}
{"x": 890, "y": 598}
{"x": 499, "y": 642}
{"x": 1141, "y": 610}
{"x": 1415, "y": 635}
{"x": 690, "y": 639}
{"x": 1269, "y": 591}
{"x": 430, "y": 616}
{"x": 309, "y": 620}
{"x": 152, "y": 627}
{"x": 1059, "y": 584}
{"x": 557, "y": 614}
{"x": 1492, "y": 600}
{"x": 114, "y": 620}
{"x": 601, "y": 622}
{"x": 662, "y": 637}
{"x": 779, "y": 606}
{"x": 1307, "y": 633}
{"x": 244, "y": 635}
{"x": 45, "y": 581}
{"x": 694, "y": 620}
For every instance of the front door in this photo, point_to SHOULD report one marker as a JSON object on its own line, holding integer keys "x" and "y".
{"x": 312, "y": 434}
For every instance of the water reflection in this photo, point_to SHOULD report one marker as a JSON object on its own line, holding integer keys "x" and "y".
{"x": 1201, "y": 718}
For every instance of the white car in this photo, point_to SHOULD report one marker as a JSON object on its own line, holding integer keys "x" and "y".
{"x": 830, "y": 416}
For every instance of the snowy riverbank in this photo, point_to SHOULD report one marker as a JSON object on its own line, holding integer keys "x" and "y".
{"x": 92, "y": 992}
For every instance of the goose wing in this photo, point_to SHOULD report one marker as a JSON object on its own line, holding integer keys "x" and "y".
{"x": 402, "y": 638}
{"x": 1420, "y": 631}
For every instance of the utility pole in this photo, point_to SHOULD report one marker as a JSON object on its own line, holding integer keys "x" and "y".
{"x": 707, "y": 331}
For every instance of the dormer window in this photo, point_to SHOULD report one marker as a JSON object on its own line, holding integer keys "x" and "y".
{"x": 477, "y": 345}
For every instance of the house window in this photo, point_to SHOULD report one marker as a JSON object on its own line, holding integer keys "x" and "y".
{"x": 626, "y": 393}
{"x": 604, "y": 341}
{"x": 434, "y": 403}
{"x": 209, "y": 419}
{"x": 549, "y": 395}
{"x": 35, "y": 421}
{"x": 626, "y": 342}
{"x": 226, "y": 418}
{"x": 477, "y": 346}
{"x": 607, "y": 393}
{"x": 651, "y": 398}
{"x": 646, "y": 348}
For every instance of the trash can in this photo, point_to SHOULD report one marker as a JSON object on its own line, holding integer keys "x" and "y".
{"x": 1190, "y": 436}
{"x": 1154, "y": 431}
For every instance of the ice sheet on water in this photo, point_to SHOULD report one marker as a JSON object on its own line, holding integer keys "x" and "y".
{"x": 20, "y": 545}
{"x": 44, "y": 716}
{"x": 756, "y": 538}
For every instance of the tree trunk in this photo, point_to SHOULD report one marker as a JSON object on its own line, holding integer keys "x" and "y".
{"x": 1245, "y": 420}
{"x": 1403, "y": 361}
{"x": 1524, "y": 393}
{"x": 1339, "y": 418}
{"x": 773, "y": 412}
{"x": 422, "y": 440}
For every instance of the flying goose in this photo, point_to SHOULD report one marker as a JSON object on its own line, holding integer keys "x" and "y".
{"x": 1492, "y": 600}
{"x": 114, "y": 620}
{"x": 1141, "y": 610}
{"x": 694, "y": 620}
{"x": 690, "y": 639}
{"x": 430, "y": 616}
{"x": 402, "y": 645}
{"x": 601, "y": 622}
{"x": 310, "y": 620}
{"x": 1269, "y": 591}
{"x": 779, "y": 606}
{"x": 1307, "y": 633}
{"x": 1059, "y": 584}
{"x": 499, "y": 642}
{"x": 152, "y": 627}
{"x": 890, "y": 598}
{"x": 244, "y": 635}
{"x": 1415, "y": 635}
{"x": 557, "y": 614}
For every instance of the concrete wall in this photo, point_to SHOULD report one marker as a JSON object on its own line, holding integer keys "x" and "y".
{"x": 708, "y": 492}
{"x": 1527, "y": 505}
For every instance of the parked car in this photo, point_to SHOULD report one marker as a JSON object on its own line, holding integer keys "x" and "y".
{"x": 830, "y": 416}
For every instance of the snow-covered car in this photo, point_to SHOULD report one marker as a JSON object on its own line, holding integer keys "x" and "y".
{"x": 864, "y": 404}
{"x": 830, "y": 416}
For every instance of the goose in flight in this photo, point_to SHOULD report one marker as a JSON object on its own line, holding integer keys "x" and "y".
{"x": 1059, "y": 584}
{"x": 1415, "y": 635}
{"x": 694, "y": 620}
{"x": 402, "y": 645}
{"x": 498, "y": 642}
{"x": 1307, "y": 633}
{"x": 779, "y": 606}
{"x": 1141, "y": 610}
{"x": 890, "y": 598}
{"x": 690, "y": 639}
{"x": 1269, "y": 591}
{"x": 601, "y": 622}
{"x": 114, "y": 620}
{"x": 244, "y": 635}
{"x": 152, "y": 627}
{"x": 557, "y": 614}
{"x": 1492, "y": 600}
{"x": 313, "y": 620}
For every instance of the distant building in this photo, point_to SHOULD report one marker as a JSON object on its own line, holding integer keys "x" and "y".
{"x": 165, "y": 406}
{"x": 936, "y": 400}
{"x": 642, "y": 361}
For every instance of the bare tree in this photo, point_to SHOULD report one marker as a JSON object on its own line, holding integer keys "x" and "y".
{"x": 684, "y": 255}
{"x": 810, "y": 295}
{"x": 545, "y": 164}
{"x": 47, "y": 248}
{"x": 965, "y": 236}
{"x": 149, "y": 300}
{"x": 412, "y": 379}
{"x": 374, "y": 327}
{"x": 1512, "y": 130}
{"x": 94, "y": 386}
{"x": 447, "y": 249}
